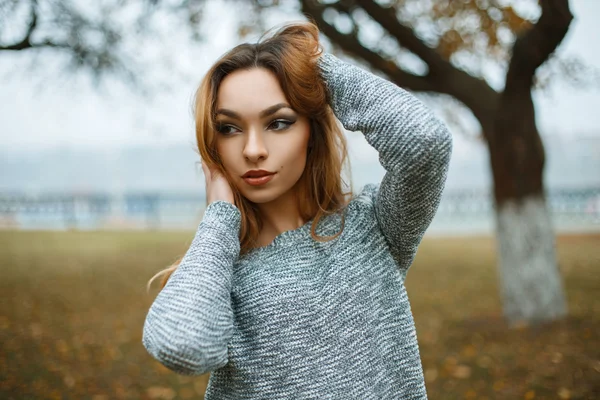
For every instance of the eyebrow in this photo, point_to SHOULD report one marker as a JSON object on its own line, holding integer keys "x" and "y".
{"x": 264, "y": 113}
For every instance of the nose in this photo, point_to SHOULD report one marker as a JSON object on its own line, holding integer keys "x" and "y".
{"x": 255, "y": 147}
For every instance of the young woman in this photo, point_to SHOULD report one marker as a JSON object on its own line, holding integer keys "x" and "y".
{"x": 291, "y": 288}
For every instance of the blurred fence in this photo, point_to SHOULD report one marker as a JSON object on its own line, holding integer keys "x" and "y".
{"x": 461, "y": 211}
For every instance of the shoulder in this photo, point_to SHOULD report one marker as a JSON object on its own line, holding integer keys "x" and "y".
{"x": 359, "y": 216}
{"x": 361, "y": 229}
{"x": 365, "y": 199}
{"x": 360, "y": 211}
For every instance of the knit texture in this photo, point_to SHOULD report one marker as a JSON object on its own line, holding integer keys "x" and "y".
{"x": 301, "y": 319}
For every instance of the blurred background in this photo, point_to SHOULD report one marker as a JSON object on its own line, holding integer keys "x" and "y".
{"x": 100, "y": 185}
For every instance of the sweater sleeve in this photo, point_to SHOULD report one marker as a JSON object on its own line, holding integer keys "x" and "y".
{"x": 414, "y": 148}
{"x": 190, "y": 322}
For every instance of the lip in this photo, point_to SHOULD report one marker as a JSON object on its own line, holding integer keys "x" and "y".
{"x": 256, "y": 173}
{"x": 258, "y": 180}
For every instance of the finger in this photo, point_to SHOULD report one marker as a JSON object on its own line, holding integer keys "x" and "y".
{"x": 215, "y": 173}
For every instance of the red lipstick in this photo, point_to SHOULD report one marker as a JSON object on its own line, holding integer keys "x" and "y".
{"x": 257, "y": 177}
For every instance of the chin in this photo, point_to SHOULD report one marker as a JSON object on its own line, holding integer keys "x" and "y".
{"x": 261, "y": 197}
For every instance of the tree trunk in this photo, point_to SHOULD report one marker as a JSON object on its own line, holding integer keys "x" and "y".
{"x": 531, "y": 285}
{"x": 530, "y": 281}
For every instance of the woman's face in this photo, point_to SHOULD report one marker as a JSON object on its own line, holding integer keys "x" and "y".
{"x": 257, "y": 130}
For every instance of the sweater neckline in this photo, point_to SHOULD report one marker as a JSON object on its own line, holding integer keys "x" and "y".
{"x": 283, "y": 239}
{"x": 293, "y": 236}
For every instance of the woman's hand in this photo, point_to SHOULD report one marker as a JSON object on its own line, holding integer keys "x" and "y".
{"x": 217, "y": 187}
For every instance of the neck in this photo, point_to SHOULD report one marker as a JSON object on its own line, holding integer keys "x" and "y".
{"x": 278, "y": 216}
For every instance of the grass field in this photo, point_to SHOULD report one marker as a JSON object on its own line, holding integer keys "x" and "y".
{"x": 74, "y": 303}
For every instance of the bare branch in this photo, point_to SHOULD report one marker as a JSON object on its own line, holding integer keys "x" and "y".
{"x": 386, "y": 17}
{"x": 351, "y": 44}
{"x": 535, "y": 46}
{"x": 25, "y": 43}
{"x": 475, "y": 93}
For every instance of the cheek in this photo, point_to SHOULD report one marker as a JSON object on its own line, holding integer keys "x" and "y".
{"x": 227, "y": 155}
{"x": 294, "y": 156}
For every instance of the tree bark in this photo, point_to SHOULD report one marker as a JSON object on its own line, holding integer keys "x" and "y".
{"x": 531, "y": 286}
{"x": 530, "y": 281}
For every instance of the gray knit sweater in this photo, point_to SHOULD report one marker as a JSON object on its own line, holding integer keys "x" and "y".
{"x": 301, "y": 319}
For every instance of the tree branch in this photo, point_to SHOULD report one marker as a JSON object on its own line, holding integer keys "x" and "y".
{"x": 29, "y": 45}
{"x": 25, "y": 43}
{"x": 475, "y": 93}
{"x": 388, "y": 20}
{"x": 351, "y": 44}
{"x": 534, "y": 47}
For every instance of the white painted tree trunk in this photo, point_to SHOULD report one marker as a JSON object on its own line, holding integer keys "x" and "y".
{"x": 531, "y": 285}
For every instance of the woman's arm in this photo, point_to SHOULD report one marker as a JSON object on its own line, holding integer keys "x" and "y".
{"x": 190, "y": 322}
{"x": 414, "y": 148}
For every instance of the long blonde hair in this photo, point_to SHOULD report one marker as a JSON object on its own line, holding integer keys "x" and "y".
{"x": 291, "y": 54}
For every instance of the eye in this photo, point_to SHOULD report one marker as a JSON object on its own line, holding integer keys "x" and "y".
{"x": 282, "y": 123}
{"x": 223, "y": 128}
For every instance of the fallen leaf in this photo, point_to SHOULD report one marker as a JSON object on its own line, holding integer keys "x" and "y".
{"x": 564, "y": 393}
{"x": 462, "y": 372}
{"x": 159, "y": 392}
{"x": 431, "y": 375}
{"x": 530, "y": 395}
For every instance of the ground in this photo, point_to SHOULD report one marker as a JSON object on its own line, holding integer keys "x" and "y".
{"x": 74, "y": 304}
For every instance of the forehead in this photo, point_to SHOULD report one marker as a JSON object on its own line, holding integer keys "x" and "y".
{"x": 248, "y": 92}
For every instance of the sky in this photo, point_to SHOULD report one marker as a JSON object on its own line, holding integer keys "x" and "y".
{"x": 39, "y": 111}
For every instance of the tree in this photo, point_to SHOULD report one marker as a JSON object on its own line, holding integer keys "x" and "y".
{"x": 434, "y": 46}
{"x": 531, "y": 285}
{"x": 105, "y": 38}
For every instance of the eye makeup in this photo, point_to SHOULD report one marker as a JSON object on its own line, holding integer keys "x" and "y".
{"x": 287, "y": 121}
